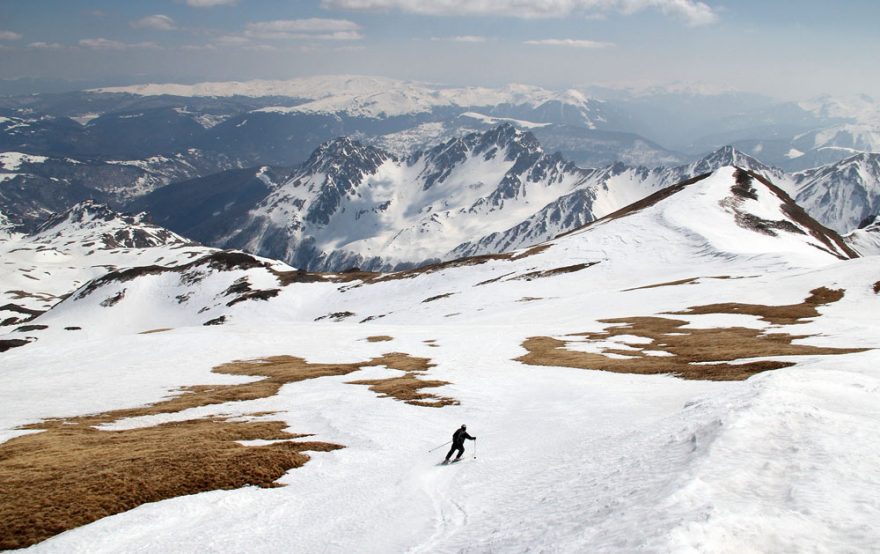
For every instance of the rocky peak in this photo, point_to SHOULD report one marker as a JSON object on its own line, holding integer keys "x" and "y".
{"x": 728, "y": 156}
{"x": 344, "y": 155}
{"x": 93, "y": 222}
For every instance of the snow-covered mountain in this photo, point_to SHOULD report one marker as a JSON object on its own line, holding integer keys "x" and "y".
{"x": 866, "y": 239}
{"x": 353, "y": 205}
{"x": 583, "y": 146}
{"x": 77, "y": 246}
{"x": 34, "y": 187}
{"x": 620, "y": 352}
{"x": 732, "y": 214}
{"x": 843, "y": 194}
{"x": 380, "y": 98}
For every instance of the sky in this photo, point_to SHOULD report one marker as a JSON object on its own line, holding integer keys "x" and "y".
{"x": 783, "y": 48}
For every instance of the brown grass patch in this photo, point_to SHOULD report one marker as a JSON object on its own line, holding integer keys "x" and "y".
{"x": 689, "y": 281}
{"x": 552, "y": 272}
{"x": 7, "y": 344}
{"x": 692, "y": 353}
{"x": 695, "y": 353}
{"x": 276, "y": 371}
{"x": 379, "y": 338}
{"x": 71, "y": 473}
{"x": 876, "y": 287}
{"x": 438, "y": 297}
{"x": 778, "y": 315}
{"x": 67, "y": 477}
{"x": 406, "y": 389}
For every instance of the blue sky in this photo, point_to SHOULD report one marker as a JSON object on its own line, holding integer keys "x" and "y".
{"x": 784, "y": 48}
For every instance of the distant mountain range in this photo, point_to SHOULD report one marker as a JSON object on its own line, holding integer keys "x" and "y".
{"x": 424, "y": 172}
{"x": 282, "y": 122}
{"x": 354, "y": 205}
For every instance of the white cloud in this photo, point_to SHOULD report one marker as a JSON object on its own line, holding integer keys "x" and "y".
{"x": 46, "y": 46}
{"x": 261, "y": 48}
{"x": 460, "y": 38}
{"x": 9, "y": 35}
{"x": 107, "y": 44}
{"x": 210, "y": 3}
{"x": 309, "y": 29}
{"x": 694, "y": 12}
{"x": 575, "y": 43}
{"x": 159, "y": 22}
{"x": 232, "y": 40}
{"x": 198, "y": 47}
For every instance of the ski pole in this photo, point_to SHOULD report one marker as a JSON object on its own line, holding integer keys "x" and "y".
{"x": 441, "y": 446}
{"x": 475, "y": 449}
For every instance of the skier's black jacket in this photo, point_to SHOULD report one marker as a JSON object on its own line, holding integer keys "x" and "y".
{"x": 459, "y": 436}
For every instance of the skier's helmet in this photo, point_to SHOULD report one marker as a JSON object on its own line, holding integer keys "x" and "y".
{"x": 463, "y": 426}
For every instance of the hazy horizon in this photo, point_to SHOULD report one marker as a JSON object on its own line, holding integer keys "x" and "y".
{"x": 771, "y": 48}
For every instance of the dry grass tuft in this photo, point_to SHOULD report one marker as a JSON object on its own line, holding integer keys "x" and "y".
{"x": 552, "y": 272}
{"x": 67, "y": 477}
{"x": 689, "y": 281}
{"x": 691, "y": 353}
{"x": 876, "y": 287}
{"x": 379, "y": 338}
{"x": 438, "y": 297}
{"x": 151, "y": 331}
{"x": 778, "y": 315}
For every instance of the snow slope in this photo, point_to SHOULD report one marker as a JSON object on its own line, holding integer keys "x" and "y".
{"x": 568, "y": 460}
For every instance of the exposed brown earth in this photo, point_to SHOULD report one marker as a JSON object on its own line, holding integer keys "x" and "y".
{"x": 70, "y": 473}
{"x": 778, "y": 315}
{"x": 688, "y": 353}
{"x": 876, "y": 287}
{"x": 379, "y": 338}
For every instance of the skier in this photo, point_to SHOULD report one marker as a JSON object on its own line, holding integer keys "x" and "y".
{"x": 458, "y": 443}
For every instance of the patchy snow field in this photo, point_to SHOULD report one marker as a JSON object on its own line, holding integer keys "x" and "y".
{"x": 567, "y": 459}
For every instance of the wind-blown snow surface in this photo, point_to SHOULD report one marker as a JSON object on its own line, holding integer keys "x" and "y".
{"x": 569, "y": 460}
